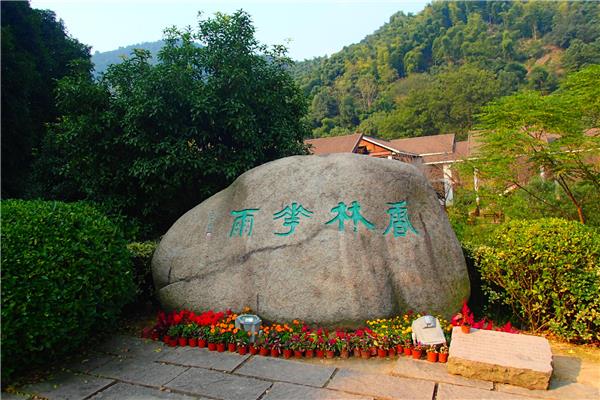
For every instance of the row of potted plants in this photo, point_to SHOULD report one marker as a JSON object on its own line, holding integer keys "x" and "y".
{"x": 380, "y": 337}
{"x": 217, "y": 331}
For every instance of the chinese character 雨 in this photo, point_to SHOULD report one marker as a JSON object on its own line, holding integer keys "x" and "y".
{"x": 244, "y": 221}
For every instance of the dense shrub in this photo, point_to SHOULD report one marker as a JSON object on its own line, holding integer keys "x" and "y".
{"x": 548, "y": 271}
{"x": 141, "y": 253}
{"x": 66, "y": 273}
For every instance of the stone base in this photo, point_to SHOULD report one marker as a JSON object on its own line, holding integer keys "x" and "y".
{"x": 519, "y": 360}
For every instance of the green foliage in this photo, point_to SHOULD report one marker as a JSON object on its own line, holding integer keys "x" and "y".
{"x": 447, "y": 103}
{"x": 141, "y": 253}
{"x": 547, "y": 270}
{"x": 153, "y": 140}
{"x": 501, "y": 38}
{"x": 36, "y": 51}
{"x": 514, "y": 132}
{"x": 66, "y": 273}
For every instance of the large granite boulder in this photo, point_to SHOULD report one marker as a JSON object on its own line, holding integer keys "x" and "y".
{"x": 334, "y": 239}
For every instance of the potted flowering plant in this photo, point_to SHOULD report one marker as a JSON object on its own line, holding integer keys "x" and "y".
{"x": 354, "y": 343}
{"x": 365, "y": 346}
{"x": 432, "y": 353}
{"x": 261, "y": 345}
{"x": 213, "y": 337}
{"x": 309, "y": 344}
{"x": 297, "y": 344}
{"x": 286, "y": 342}
{"x": 417, "y": 351}
{"x": 465, "y": 326}
{"x": 371, "y": 338}
{"x": 342, "y": 344}
{"x": 382, "y": 344}
{"x": 320, "y": 341}
{"x": 330, "y": 345}
{"x": 274, "y": 343}
{"x": 202, "y": 334}
{"x": 173, "y": 333}
{"x": 407, "y": 347}
{"x": 443, "y": 354}
{"x": 241, "y": 340}
{"x": 190, "y": 333}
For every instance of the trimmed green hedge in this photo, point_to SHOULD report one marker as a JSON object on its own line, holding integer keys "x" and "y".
{"x": 66, "y": 273}
{"x": 141, "y": 253}
{"x": 548, "y": 271}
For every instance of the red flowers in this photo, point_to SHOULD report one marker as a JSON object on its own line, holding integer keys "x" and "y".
{"x": 465, "y": 316}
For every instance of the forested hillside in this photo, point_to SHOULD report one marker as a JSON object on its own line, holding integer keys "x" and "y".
{"x": 102, "y": 60}
{"x": 430, "y": 73}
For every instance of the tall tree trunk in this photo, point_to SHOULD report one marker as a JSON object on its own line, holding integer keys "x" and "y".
{"x": 565, "y": 187}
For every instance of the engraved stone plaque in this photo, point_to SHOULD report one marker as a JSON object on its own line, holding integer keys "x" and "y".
{"x": 516, "y": 359}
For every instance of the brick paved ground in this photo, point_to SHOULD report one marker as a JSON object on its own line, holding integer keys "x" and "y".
{"x": 131, "y": 368}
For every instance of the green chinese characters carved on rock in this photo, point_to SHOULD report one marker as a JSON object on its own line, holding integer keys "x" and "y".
{"x": 291, "y": 217}
{"x": 342, "y": 216}
{"x": 243, "y": 221}
{"x": 399, "y": 221}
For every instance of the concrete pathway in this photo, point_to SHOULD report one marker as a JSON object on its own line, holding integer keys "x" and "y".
{"x": 132, "y": 368}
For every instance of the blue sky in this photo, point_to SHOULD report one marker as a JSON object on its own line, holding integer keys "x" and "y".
{"x": 308, "y": 28}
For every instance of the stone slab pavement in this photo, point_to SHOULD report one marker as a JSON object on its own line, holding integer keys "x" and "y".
{"x": 131, "y": 368}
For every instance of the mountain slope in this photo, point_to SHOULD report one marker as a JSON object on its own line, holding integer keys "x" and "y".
{"x": 429, "y": 73}
{"x": 102, "y": 60}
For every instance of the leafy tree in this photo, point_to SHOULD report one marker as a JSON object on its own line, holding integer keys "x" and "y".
{"x": 36, "y": 51}
{"x": 544, "y": 134}
{"x": 154, "y": 140}
{"x": 540, "y": 79}
{"x": 447, "y": 103}
{"x": 581, "y": 54}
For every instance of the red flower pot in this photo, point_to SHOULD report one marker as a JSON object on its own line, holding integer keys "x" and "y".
{"x": 173, "y": 342}
{"x": 274, "y": 353}
{"x": 392, "y": 352}
{"x": 166, "y": 339}
{"x": 212, "y": 346}
{"x": 432, "y": 357}
{"x": 253, "y": 349}
{"x": 443, "y": 357}
{"x": 381, "y": 353}
{"x": 356, "y": 352}
{"x": 287, "y": 353}
{"x": 373, "y": 351}
{"x": 298, "y": 353}
{"x": 344, "y": 353}
{"x": 182, "y": 341}
{"x": 309, "y": 353}
{"x": 399, "y": 349}
{"x": 231, "y": 347}
{"x": 330, "y": 353}
{"x": 416, "y": 354}
{"x": 320, "y": 354}
{"x": 193, "y": 342}
{"x": 407, "y": 351}
{"x": 465, "y": 328}
{"x": 263, "y": 351}
{"x": 365, "y": 354}
{"x": 201, "y": 343}
{"x": 242, "y": 350}
{"x": 220, "y": 347}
